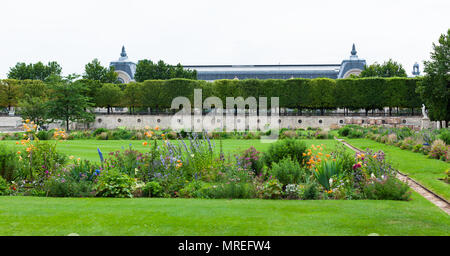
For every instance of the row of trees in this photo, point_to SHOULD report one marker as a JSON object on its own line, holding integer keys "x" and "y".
{"x": 58, "y": 99}
{"x": 319, "y": 93}
{"x": 145, "y": 70}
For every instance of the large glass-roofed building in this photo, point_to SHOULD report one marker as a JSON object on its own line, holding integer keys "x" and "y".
{"x": 353, "y": 65}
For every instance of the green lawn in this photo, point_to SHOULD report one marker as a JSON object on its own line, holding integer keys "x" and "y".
{"x": 151, "y": 216}
{"x": 418, "y": 166}
{"x": 87, "y": 149}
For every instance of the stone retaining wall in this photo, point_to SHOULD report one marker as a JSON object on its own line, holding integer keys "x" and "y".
{"x": 164, "y": 121}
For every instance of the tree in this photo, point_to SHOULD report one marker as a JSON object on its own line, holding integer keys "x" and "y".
{"x": 38, "y": 71}
{"x": 147, "y": 70}
{"x": 33, "y": 108}
{"x": 435, "y": 85}
{"x": 109, "y": 95}
{"x": 9, "y": 92}
{"x": 68, "y": 103}
{"x": 132, "y": 94}
{"x": 95, "y": 71}
{"x": 387, "y": 69}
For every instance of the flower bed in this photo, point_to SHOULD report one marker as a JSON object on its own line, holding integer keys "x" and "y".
{"x": 198, "y": 168}
{"x": 434, "y": 143}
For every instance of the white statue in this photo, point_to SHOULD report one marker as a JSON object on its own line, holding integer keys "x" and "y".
{"x": 424, "y": 112}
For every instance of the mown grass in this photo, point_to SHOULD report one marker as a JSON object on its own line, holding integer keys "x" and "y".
{"x": 418, "y": 166}
{"x": 153, "y": 216}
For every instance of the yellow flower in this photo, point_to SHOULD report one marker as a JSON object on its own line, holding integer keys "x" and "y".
{"x": 27, "y": 121}
{"x": 362, "y": 155}
{"x": 78, "y": 159}
{"x": 71, "y": 157}
{"x": 328, "y": 155}
{"x": 374, "y": 156}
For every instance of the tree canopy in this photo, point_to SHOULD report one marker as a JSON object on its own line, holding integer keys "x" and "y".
{"x": 387, "y": 69}
{"x": 95, "y": 71}
{"x": 37, "y": 71}
{"x": 68, "y": 103}
{"x": 147, "y": 70}
{"x": 435, "y": 85}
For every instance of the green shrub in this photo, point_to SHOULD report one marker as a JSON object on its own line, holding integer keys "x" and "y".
{"x": 152, "y": 189}
{"x": 4, "y": 189}
{"x": 344, "y": 131}
{"x": 417, "y": 148}
{"x": 192, "y": 190}
{"x": 98, "y": 131}
{"x": 121, "y": 134}
{"x": 114, "y": 184}
{"x": 44, "y": 135}
{"x": 66, "y": 187}
{"x": 310, "y": 192}
{"x": 289, "y": 172}
{"x": 102, "y": 136}
{"x": 288, "y": 134}
{"x": 288, "y": 148}
{"x": 445, "y": 136}
{"x": 271, "y": 189}
{"x": 356, "y": 134}
{"x": 323, "y": 135}
{"x": 438, "y": 149}
{"x": 8, "y": 163}
{"x": 387, "y": 189}
{"x": 227, "y": 190}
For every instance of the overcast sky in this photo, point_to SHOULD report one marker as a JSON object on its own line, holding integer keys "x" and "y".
{"x": 218, "y": 32}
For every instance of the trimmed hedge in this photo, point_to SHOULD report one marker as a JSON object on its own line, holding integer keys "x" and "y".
{"x": 318, "y": 93}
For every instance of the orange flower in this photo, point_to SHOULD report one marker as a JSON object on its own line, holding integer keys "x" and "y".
{"x": 145, "y": 143}
{"x": 17, "y": 143}
{"x": 18, "y": 152}
{"x": 304, "y": 154}
{"x": 157, "y": 128}
{"x": 327, "y": 155}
